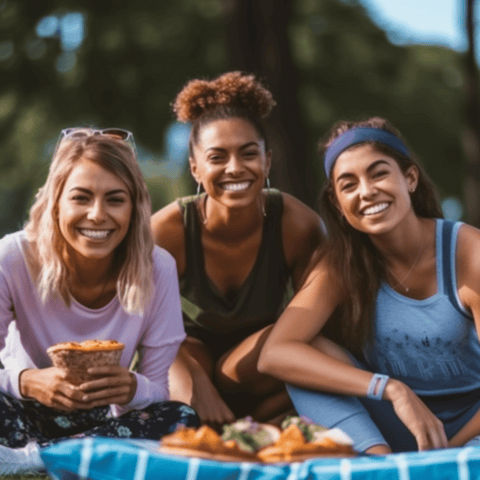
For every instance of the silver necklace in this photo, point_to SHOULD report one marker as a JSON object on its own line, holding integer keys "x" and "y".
{"x": 402, "y": 282}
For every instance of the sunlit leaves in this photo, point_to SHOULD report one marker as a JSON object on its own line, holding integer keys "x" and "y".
{"x": 70, "y": 62}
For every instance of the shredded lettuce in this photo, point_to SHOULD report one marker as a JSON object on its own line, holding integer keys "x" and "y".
{"x": 305, "y": 425}
{"x": 249, "y": 435}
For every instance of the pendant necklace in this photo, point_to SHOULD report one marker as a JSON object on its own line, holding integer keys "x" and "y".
{"x": 402, "y": 282}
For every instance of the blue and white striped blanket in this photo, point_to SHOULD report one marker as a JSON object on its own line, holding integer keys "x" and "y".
{"x": 115, "y": 459}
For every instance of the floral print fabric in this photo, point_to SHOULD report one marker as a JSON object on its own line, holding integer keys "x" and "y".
{"x": 24, "y": 421}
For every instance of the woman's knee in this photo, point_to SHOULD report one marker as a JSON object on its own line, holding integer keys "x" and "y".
{"x": 338, "y": 411}
{"x": 332, "y": 349}
{"x": 252, "y": 382}
{"x": 237, "y": 369}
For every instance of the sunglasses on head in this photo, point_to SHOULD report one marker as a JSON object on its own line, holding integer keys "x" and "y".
{"x": 82, "y": 132}
{"x": 77, "y": 132}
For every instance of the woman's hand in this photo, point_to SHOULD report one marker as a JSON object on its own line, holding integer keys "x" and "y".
{"x": 50, "y": 387}
{"x": 114, "y": 384}
{"x": 209, "y": 405}
{"x": 427, "y": 429}
{"x": 190, "y": 379}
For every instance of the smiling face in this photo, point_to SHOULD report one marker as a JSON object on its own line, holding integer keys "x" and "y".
{"x": 371, "y": 190}
{"x": 94, "y": 211}
{"x": 230, "y": 162}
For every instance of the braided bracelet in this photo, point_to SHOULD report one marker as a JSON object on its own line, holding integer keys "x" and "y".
{"x": 377, "y": 386}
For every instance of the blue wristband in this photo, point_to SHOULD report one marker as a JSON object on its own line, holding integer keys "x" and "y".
{"x": 376, "y": 386}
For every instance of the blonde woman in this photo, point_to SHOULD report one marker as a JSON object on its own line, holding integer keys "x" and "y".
{"x": 85, "y": 267}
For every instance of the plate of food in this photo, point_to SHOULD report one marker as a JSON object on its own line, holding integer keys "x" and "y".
{"x": 297, "y": 439}
{"x": 98, "y": 458}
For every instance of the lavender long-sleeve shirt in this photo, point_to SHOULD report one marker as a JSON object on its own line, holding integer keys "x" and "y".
{"x": 157, "y": 334}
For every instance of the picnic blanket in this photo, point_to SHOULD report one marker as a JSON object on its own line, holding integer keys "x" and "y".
{"x": 120, "y": 459}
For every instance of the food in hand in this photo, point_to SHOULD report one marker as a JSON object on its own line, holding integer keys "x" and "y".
{"x": 77, "y": 358}
{"x": 246, "y": 440}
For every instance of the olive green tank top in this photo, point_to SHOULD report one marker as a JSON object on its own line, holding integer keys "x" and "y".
{"x": 220, "y": 322}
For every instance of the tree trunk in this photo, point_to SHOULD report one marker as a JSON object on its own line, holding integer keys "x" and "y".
{"x": 258, "y": 42}
{"x": 471, "y": 137}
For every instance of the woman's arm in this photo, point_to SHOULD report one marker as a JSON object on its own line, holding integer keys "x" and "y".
{"x": 169, "y": 233}
{"x": 21, "y": 378}
{"x": 151, "y": 378}
{"x": 287, "y": 353}
{"x": 468, "y": 271}
{"x": 289, "y": 356}
{"x": 468, "y": 286}
{"x": 302, "y": 237}
{"x": 191, "y": 382}
{"x": 12, "y": 378}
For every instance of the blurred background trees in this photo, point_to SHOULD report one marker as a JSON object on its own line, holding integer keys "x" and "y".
{"x": 471, "y": 134}
{"x": 66, "y": 62}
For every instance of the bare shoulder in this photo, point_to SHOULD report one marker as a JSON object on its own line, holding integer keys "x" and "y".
{"x": 169, "y": 232}
{"x": 468, "y": 248}
{"x": 468, "y": 269}
{"x": 301, "y": 230}
{"x": 322, "y": 275}
{"x": 299, "y": 220}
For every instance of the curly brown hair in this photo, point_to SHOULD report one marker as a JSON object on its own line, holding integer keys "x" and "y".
{"x": 231, "y": 95}
{"x": 351, "y": 253}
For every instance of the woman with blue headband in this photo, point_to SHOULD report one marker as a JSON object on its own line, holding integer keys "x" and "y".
{"x": 398, "y": 287}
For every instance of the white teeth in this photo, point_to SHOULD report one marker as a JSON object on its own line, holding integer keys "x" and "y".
{"x": 375, "y": 209}
{"x": 236, "y": 186}
{"x": 95, "y": 233}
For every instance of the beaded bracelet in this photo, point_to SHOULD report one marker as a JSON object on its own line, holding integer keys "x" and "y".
{"x": 377, "y": 384}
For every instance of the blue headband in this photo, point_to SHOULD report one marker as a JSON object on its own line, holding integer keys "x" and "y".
{"x": 360, "y": 135}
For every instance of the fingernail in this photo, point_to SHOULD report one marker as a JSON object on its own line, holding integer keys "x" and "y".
{"x": 85, "y": 398}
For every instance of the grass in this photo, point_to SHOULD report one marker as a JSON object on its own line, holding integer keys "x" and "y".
{"x": 25, "y": 477}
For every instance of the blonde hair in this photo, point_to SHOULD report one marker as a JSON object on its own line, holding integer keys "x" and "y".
{"x": 133, "y": 256}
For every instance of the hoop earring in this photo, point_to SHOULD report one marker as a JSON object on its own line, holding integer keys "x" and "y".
{"x": 264, "y": 210}
{"x": 197, "y": 197}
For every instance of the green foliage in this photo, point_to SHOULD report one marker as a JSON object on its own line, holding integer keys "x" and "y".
{"x": 350, "y": 71}
{"x": 137, "y": 55}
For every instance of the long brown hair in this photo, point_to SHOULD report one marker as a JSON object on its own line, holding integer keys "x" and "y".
{"x": 351, "y": 253}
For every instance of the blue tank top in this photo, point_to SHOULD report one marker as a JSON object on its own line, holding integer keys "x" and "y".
{"x": 431, "y": 345}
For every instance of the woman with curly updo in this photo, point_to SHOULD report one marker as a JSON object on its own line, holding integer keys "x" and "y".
{"x": 238, "y": 246}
